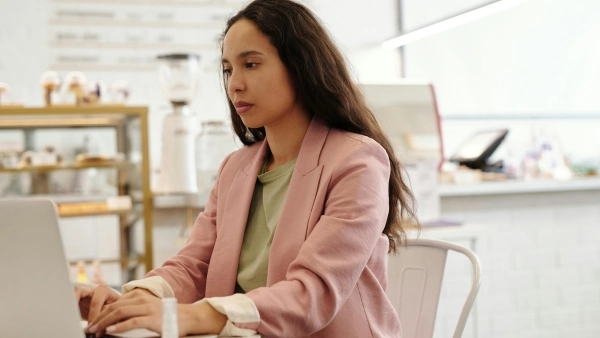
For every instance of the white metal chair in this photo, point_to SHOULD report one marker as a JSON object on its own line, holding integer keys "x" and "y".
{"x": 415, "y": 277}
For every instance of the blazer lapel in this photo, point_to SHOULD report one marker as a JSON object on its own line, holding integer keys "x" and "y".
{"x": 230, "y": 233}
{"x": 291, "y": 229}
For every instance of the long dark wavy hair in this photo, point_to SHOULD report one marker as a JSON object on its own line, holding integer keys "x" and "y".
{"x": 318, "y": 71}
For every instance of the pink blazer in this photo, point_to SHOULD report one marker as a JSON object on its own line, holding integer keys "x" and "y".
{"x": 327, "y": 273}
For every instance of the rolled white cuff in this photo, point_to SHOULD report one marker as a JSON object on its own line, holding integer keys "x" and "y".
{"x": 155, "y": 284}
{"x": 242, "y": 315}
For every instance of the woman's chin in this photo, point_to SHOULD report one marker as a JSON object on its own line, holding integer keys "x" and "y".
{"x": 252, "y": 124}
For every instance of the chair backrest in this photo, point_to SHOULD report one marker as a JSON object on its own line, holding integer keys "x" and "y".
{"x": 415, "y": 276}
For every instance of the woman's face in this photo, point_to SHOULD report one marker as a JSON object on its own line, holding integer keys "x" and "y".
{"x": 257, "y": 82}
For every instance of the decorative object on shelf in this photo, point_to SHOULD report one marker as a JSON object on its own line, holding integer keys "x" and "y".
{"x": 98, "y": 159}
{"x": 550, "y": 159}
{"x": 4, "y": 90}
{"x": 94, "y": 91}
{"x": 78, "y": 91}
{"x": 178, "y": 74}
{"x": 50, "y": 82}
{"x": 45, "y": 157}
{"x": 9, "y": 157}
{"x": 82, "y": 273}
{"x": 120, "y": 90}
{"x": 97, "y": 272}
{"x": 586, "y": 168}
{"x": 75, "y": 82}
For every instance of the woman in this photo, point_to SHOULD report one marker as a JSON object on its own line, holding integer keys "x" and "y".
{"x": 293, "y": 239}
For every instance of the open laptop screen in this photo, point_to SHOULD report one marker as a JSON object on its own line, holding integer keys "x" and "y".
{"x": 37, "y": 298}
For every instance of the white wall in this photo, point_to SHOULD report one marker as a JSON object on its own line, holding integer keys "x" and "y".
{"x": 420, "y": 13}
{"x": 539, "y": 57}
{"x": 359, "y": 27}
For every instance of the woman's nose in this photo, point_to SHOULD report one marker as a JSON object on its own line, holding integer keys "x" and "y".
{"x": 235, "y": 83}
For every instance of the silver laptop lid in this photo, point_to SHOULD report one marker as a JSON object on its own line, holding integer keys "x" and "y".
{"x": 36, "y": 295}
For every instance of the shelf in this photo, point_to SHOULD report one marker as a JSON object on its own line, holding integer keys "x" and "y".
{"x": 131, "y": 262}
{"x": 66, "y": 198}
{"x": 69, "y": 214}
{"x": 74, "y": 166}
{"x": 67, "y": 116}
{"x": 118, "y": 205}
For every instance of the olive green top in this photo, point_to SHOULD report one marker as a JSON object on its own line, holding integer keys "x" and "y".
{"x": 267, "y": 201}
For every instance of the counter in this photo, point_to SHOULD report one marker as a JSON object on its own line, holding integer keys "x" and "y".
{"x": 445, "y": 190}
{"x": 172, "y": 201}
{"x": 519, "y": 187}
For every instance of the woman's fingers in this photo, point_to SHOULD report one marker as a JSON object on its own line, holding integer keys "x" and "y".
{"x": 102, "y": 295}
{"x": 98, "y": 299}
{"x": 143, "y": 305}
{"x": 131, "y": 298}
{"x": 82, "y": 292}
{"x": 147, "y": 322}
{"x": 116, "y": 313}
{"x": 82, "y": 296}
{"x": 108, "y": 309}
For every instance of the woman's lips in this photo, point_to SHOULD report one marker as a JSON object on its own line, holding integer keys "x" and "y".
{"x": 243, "y": 107}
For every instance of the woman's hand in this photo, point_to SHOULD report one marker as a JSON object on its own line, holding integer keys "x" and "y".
{"x": 92, "y": 299}
{"x": 141, "y": 309}
{"x": 136, "y": 309}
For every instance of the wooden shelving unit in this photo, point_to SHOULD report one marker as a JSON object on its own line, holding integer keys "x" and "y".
{"x": 65, "y": 214}
{"x": 72, "y": 166}
{"x": 122, "y": 119}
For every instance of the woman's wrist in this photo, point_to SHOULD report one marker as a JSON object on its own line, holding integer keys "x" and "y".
{"x": 200, "y": 318}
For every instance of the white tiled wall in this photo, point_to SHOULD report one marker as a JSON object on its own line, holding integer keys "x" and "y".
{"x": 540, "y": 255}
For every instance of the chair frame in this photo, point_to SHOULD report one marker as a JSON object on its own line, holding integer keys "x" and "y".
{"x": 476, "y": 276}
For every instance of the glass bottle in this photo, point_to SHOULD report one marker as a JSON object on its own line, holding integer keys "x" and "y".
{"x": 213, "y": 144}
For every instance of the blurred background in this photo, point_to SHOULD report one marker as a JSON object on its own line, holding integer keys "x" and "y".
{"x": 528, "y": 207}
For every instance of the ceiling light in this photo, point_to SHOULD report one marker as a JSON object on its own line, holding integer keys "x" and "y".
{"x": 450, "y": 23}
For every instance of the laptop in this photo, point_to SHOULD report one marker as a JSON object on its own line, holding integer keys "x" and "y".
{"x": 37, "y": 299}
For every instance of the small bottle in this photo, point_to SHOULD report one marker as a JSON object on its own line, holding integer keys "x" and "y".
{"x": 170, "y": 328}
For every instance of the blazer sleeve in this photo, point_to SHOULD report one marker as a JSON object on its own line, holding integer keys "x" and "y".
{"x": 335, "y": 253}
{"x": 186, "y": 272}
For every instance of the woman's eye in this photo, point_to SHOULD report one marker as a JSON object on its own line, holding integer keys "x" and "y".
{"x": 251, "y": 64}
{"x": 227, "y": 71}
